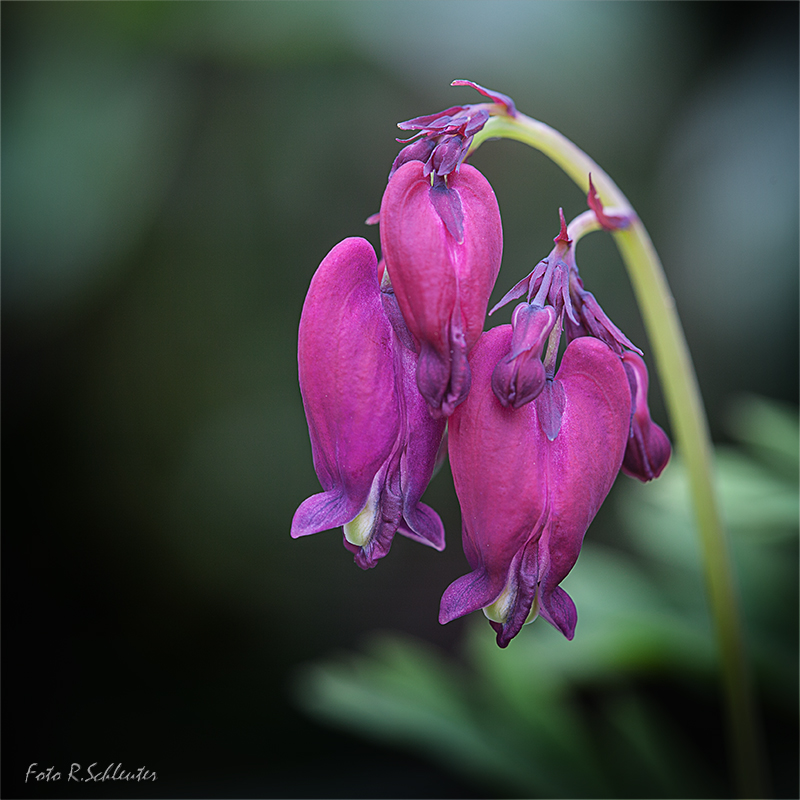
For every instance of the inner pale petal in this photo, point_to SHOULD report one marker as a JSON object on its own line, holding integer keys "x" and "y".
{"x": 359, "y": 530}
{"x": 501, "y": 608}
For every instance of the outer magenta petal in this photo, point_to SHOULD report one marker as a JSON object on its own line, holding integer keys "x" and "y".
{"x": 442, "y": 285}
{"x": 477, "y": 261}
{"x": 324, "y": 511}
{"x": 418, "y": 461}
{"x": 422, "y": 524}
{"x": 490, "y": 458}
{"x": 559, "y": 610}
{"x": 584, "y": 460}
{"x": 345, "y": 341}
{"x": 469, "y": 593}
{"x": 414, "y": 243}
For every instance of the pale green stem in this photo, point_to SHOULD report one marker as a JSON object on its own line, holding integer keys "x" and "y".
{"x": 586, "y": 223}
{"x": 689, "y": 426}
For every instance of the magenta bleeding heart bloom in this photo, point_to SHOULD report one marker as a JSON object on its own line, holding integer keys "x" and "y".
{"x": 527, "y": 499}
{"x": 442, "y": 242}
{"x": 373, "y": 441}
{"x": 648, "y": 449}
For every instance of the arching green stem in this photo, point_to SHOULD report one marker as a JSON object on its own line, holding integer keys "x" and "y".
{"x": 689, "y": 426}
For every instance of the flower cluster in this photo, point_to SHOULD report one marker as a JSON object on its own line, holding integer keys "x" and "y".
{"x": 393, "y": 354}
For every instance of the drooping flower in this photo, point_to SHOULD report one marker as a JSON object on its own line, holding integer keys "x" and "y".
{"x": 387, "y": 351}
{"x": 527, "y": 499}
{"x": 648, "y": 449}
{"x": 442, "y": 243}
{"x": 373, "y": 441}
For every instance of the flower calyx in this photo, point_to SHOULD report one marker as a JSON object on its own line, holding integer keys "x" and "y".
{"x": 549, "y": 282}
{"x": 443, "y": 139}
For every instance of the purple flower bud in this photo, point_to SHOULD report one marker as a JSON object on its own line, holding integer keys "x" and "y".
{"x": 519, "y": 376}
{"x": 648, "y": 449}
{"x": 442, "y": 245}
{"x": 526, "y": 500}
{"x": 373, "y": 441}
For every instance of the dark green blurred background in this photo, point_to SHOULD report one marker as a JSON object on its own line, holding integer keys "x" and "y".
{"x": 172, "y": 175}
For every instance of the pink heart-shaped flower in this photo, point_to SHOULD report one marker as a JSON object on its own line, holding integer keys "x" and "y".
{"x": 373, "y": 441}
{"x": 528, "y": 499}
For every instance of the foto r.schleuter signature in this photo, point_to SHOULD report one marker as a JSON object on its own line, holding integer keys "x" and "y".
{"x": 94, "y": 772}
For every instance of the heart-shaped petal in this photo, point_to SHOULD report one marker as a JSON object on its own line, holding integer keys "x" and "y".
{"x": 442, "y": 244}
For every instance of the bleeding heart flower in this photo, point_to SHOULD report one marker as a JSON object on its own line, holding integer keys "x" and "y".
{"x": 527, "y": 499}
{"x": 648, "y": 449}
{"x": 373, "y": 441}
{"x": 442, "y": 244}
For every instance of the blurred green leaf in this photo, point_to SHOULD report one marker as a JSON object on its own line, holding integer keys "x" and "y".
{"x": 758, "y": 494}
{"x": 770, "y": 429}
{"x": 405, "y": 693}
{"x": 646, "y": 752}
